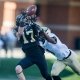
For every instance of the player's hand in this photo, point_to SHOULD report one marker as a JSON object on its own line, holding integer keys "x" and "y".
{"x": 18, "y": 36}
{"x": 20, "y": 31}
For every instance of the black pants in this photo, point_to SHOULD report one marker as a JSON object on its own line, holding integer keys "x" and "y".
{"x": 35, "y": 55}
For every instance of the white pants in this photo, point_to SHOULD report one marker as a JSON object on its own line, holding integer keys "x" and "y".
{"x": 72, "y": 62}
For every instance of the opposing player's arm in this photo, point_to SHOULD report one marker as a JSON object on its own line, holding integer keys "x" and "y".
{"x": 49, "y": 39}
{"x": 46, "y": 36}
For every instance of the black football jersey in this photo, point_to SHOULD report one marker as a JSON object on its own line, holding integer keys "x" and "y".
{"x": 31, "y": 34}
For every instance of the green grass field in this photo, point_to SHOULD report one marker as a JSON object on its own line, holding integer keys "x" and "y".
{"x": 7, "y": 71}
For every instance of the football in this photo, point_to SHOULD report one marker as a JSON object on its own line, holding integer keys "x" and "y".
{"x": 31, "y": 10}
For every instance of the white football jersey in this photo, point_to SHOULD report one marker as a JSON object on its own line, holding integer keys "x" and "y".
{"x": 59, "y": 49}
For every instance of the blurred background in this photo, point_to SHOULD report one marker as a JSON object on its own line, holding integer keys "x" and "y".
{"x": 61, "y": 16}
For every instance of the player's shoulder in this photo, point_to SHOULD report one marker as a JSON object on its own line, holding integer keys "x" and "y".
{"x": 18, "y": 16}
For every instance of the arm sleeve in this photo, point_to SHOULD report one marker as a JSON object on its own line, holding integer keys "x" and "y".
{"x": 17, "y": 23}
{"x": 20, "y": 20}
{"x": 18, "y": 17}
{"x": 22, "y": 24}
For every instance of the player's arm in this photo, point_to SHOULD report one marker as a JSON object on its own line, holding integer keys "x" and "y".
{"x": 18, "y": 30}
{"x": 48, "y": 38}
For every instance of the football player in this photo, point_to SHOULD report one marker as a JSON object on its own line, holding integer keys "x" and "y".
{"x": 65, "y": 56}
{"x": 28, "y": 35}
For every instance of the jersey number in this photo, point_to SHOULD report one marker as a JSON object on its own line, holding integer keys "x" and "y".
{"x": 28, "y": 37}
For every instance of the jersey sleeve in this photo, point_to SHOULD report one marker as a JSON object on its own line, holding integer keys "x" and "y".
{"x": 20, "y": 20}
{"x": 22, "y": 23}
